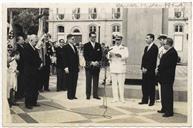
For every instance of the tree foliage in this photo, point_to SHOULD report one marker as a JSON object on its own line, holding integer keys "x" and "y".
{"x": 26, "y": 20}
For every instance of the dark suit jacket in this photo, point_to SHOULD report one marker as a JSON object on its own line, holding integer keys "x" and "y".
{"x": 20, "y": 62}
{"x": 71, "y": 59}
{"x": 149, "y": 58}
{"x": 32, "y": 61}
{"x": 167, "y": 66}
{"x": 92, "y": 54}
{"x": 60, "y": 57}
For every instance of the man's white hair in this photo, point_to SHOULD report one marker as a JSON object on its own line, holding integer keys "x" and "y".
{"x": 32, "y": 37}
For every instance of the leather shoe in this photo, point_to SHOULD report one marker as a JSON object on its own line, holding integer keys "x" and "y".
{"x": 41, "y": 90}
{"x": 167, "y": 115}
{"x": 88, "y": 98}
{"x": 36, "y": 105}
{"x": 15, "y": 104}
{"x": 29, "y": 107}
{"x": 98, "y": 98}
{"x": 160, "y": 111}
{"x": 75, "y": 98}
{"x": 151, "y": 104}
{"x": 142, "y": 103}
{"x": 47, "y": 90}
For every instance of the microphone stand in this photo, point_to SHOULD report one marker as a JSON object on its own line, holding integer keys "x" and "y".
{"x": 104, "y": 105}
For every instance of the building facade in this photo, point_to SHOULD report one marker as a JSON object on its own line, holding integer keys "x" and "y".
{"x": 81, "y": 21}
{"x": 132, "y": 23}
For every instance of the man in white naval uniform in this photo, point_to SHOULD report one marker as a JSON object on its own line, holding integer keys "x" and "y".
{"x": 117, "y": 57}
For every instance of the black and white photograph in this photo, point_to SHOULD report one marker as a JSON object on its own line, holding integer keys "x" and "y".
{"x": 97, "y": 64}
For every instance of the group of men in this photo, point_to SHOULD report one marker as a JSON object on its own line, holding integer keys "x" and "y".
{"x": 34, "y": 66}
{"x": 157, "y": 64}
{"x": 162, "y": 72}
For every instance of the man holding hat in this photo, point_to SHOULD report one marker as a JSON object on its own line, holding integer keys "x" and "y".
{"x": 117, "y": 57}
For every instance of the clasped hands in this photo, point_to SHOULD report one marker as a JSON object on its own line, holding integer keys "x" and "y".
{"x": 144, "y": 70}
{"x": 94, "y": 63}
{"x": 114, "y": 54}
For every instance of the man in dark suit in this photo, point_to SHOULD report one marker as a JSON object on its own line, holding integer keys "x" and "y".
{"x": 93, "y": 55}
{"x": 148, "y": 67}
{"x": 32, "y": 63}
{"x": 20, "y": 67}
{"x": 61, "y": 78}
{"x": 71, "y": 66}
{"x": 166, "y": 76}
{"x": 47, "y": 52}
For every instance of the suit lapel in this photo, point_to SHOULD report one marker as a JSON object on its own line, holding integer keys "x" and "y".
{"x": 92, "y": 46}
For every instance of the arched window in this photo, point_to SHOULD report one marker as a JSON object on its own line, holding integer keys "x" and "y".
{"x": 60, "y": 29}
{"x": 179, "y": 28}
{"x": 76, "y": 31}
{"x": 92, "y": 13}
{"x": 116, "y": 13}
{"x": 76, "y": 13}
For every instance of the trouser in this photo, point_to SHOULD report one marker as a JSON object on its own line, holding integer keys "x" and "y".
{"x": 118, "y": 80}
{"x": 159, "y": 90}
{"x": 45, "y": 74}
{"x": 61, "y": 79}
{"x": 31, "y": 90}
{"x": 72, "y": 84}
{"x": 148, "y": 87}
{"x": 92, "y": 77}
{"x": 20, "y": 86}
{"x": 167, "y": 97}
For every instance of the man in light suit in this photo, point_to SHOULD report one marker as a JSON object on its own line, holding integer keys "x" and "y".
{"x": 166, "y": 76}
{"x": 92, "y": 54}
{"x": 118, "y": 56}
{"x": 148, "y": 67}
{"x": 71, "y": 66}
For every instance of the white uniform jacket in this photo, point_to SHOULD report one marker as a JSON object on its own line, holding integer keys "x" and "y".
{"x": 118, "y": 64}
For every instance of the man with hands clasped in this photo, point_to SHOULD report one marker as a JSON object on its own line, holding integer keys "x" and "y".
{"x": 92, "y": 54}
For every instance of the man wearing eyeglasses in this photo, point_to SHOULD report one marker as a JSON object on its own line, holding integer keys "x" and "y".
{"x": 71, "y": 66}
{"x": 93, "y": 55}
{"x": 166, "y": 73}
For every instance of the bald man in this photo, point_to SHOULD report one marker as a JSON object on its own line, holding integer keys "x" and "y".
{"x": 32, "y": 64}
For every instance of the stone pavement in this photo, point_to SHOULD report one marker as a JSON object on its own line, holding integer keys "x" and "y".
{"x": 57, "y": 109}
